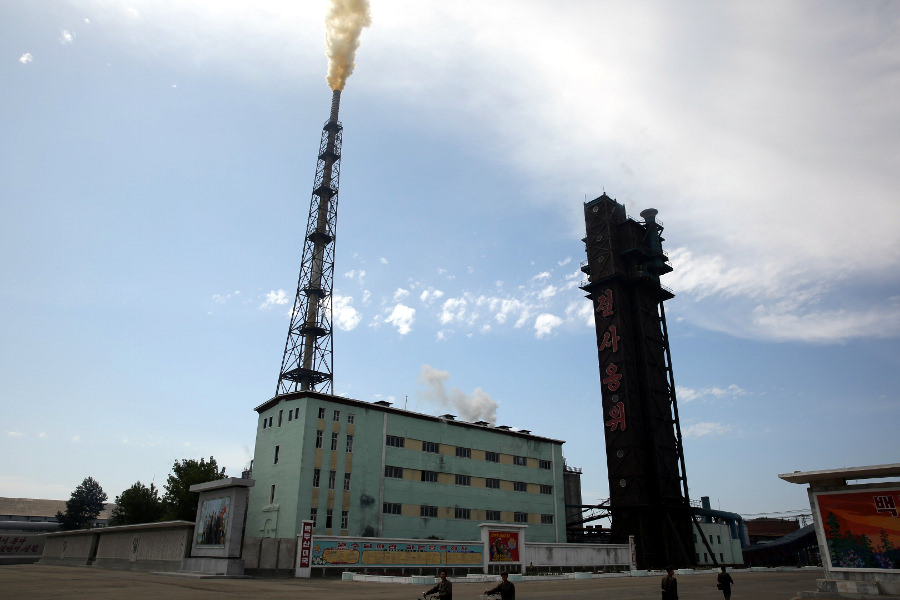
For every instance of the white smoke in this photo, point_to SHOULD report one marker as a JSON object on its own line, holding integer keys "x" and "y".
{"x": 476, "y": 406}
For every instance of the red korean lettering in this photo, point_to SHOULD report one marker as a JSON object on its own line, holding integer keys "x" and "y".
{"x": 613, "y": 377}
{"x": 617, "y": 417}
{"x": 605, "y": 303}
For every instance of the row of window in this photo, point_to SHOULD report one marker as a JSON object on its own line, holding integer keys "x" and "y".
{"x": 492, "y": 483}
{"x": 332, "y": 476}
{"x": 427, "y": 510}
{"x": 463, "y": 452}
{"x": 329, "y": 518}
{"x": 295, "y": 414}
{"x": 336, "y": 416}
{"x": 320, "y": 438}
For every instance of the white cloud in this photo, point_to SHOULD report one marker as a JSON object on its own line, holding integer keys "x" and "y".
{"x": 686, "y": 394}
{"x": 400, "y": 294}
{"x": 15, "y": 434}
{"x": 222, "y": 299}
{"x": 402, "y": 318}
{"x": 545, "y": 323}
{"x": 76, "y": 438}
{"x": 26, "y": 58}
{"x": 430, "y": 295}
{"x": 383, "y": 260}
{"x": 453, "y": 309}
{"x": 66, "y": 37}
{"x": 346, "y": 318}
{"x": 701, "y": 429}
{"x": 274, "y": 298}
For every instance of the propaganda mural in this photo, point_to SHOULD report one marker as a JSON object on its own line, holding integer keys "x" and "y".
{"x": 862, "y": 529}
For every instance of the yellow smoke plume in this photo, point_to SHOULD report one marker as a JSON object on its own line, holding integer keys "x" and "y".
{"x": 343, "y": 24}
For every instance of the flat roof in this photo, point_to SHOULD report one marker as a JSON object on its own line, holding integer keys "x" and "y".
{"x": 386, "y": 407}
{"x": 845, "y": 474}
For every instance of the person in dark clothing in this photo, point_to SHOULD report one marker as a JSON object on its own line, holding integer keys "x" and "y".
{"x": 724, "y": 583}
{"x": 670, "y": 585}
{"x": 444, "y": 588}
{"x": 505, "y": 588}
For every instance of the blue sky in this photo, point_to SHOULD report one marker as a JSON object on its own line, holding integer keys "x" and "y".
{"x": 157, "y": 169}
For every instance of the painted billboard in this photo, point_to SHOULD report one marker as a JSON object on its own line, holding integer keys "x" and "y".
{"x": 504, "y": 546}
{"x": 861, "y": 529}
{"x": 213, "y": 522}
{"x": 350, "y": 553}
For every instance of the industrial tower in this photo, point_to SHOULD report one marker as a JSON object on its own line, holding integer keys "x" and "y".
{"x": 645, "y": 462}
{"x": 307, "y": 361}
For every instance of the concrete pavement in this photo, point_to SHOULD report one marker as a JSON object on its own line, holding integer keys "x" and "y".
{"x": 39, "y": 582}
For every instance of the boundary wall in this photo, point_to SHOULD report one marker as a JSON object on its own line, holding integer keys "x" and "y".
{"x": 148, "y": 547}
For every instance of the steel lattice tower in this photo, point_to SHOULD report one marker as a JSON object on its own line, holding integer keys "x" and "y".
{"x": 307, "y": 361}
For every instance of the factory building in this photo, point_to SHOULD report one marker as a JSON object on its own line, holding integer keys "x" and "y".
{"x": 367, "y": 469}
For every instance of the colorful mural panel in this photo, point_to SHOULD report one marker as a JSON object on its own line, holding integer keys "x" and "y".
{"x": 373, "y": 554}
{"x": 504, "y": 546}
{"x": 213, "y": 522}
{"x": 862, "y": 529}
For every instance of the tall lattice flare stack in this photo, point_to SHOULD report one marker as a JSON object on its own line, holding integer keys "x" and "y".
{"x": 307, "y": 361}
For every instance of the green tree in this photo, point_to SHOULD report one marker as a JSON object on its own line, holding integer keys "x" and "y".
{"x": 137, "y": 504}
{"x": 83, "y": 506}
{"x": 179, "y": 502}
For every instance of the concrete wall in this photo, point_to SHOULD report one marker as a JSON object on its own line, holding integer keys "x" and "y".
{"x": 269, "y": 556}
{"x": 148, "y": 547}
{"x": 21, "y": 548}
{"x": 575, "y": 556}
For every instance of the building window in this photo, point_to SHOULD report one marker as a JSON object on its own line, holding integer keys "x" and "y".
{"x": 280, "y": 414}
{"x": 461, "y": 513}
{"x": 321, "y": 413}
{"x": 290, "y": 416}
{"x": 313, "y": 513}
{"x": 492, "y": 456}
{"x": 345, "y": 518}
{"x": 270, "y": 421}
{"x": 520, "y": 486}
{"x": 265, "y": 422}
{"x": 349, "y": 444}
{"x": 721, "y": 557}
{"x": 429, "y": 476}
{"x": 350, "y": 418}
{"x": 276, "y": 455}
{"x": 493, "y": 484}
{"x": 346, "y": 482}
{"x": 427, "y": 511}
{"x": 719, "y": 538}
{"x": 319, "y": 434}
{"x": 492, "y": 515}
{"x": 395, "y": 441}
{"x": 546, "y": 464}
{"x": 329, "y": 518}
{"x": 463, "y": 480}
{"x": 316, "y": 474}
{"x": 520, "y": 460}
{"x": 272, "y": 494}
{"x": 431, "y": 447}
{"x": 395, "y": 472}
{"x": 547, "y": 519}
{"x": 334, "y": 440}
{"x": 391, "y": 508}
{"x": 331, "y": 477}
{"x": 546, "y": 489}
{"x": 337, "y": 416}
{"x": 520, "y": 517}
{"x": 297, "y": 413}
{"x": 463, "y": 452}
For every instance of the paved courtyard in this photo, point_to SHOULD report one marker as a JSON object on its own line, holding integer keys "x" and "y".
{"x": 37, "y": 582}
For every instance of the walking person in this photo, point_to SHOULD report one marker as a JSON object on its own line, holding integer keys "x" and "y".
{"x": 670, "y": 585}
{"x": 443, "y": 588}
{"x": 505, "y": 588}
{"x": 724, "y": 583}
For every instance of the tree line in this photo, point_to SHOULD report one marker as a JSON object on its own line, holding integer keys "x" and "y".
{"x": 139, "y": 503}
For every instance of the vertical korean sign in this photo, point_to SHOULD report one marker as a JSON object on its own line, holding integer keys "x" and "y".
{"x": 610, "y": 361}
{"x": 304, "y": 551}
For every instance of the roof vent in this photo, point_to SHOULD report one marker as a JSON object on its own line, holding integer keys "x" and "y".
{"x": 524, "y": 431}
{"x": 482, "y": 423}
{"x": 383, "y": 403}
{"x": 449, "y": 417}
{"x": 503, "y": 427}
